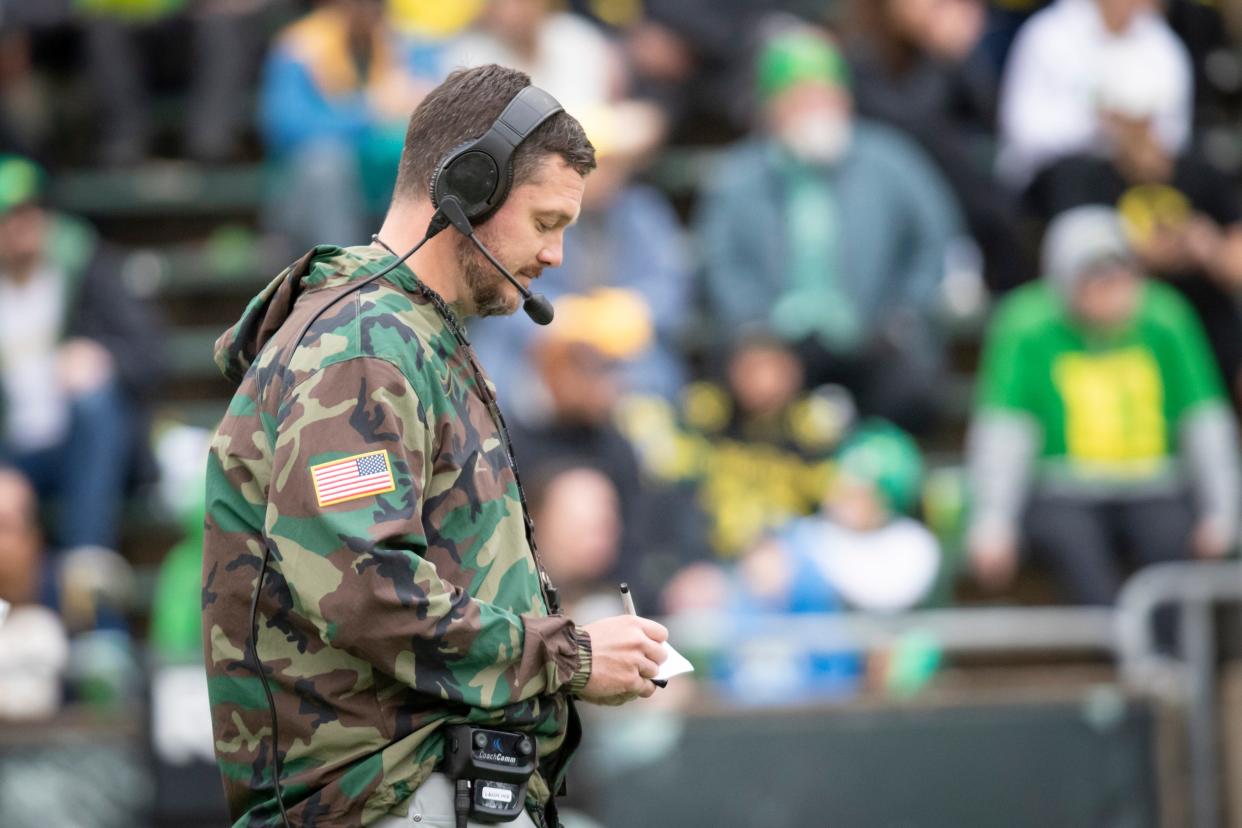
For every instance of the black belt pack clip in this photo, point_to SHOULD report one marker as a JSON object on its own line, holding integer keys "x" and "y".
{"x": 490, "y": 770}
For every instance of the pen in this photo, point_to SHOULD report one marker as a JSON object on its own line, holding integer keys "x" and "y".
{"x": 627, "y": 601}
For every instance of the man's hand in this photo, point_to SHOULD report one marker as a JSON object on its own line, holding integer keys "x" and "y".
{"x": 83, "y": 366}
{"x": 626, "y": 653}
{"x": 1211, "y": 541}
{"x": 1164, "y": 250}
{"x": 993, "y": 558}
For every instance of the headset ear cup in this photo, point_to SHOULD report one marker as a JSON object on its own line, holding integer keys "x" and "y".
{"x": 484, "y": 209}
{"x": 502, "y": 189}
{"x": 436, "y": 184}
{"x": 474, "y": 177}
{"x": 433, "y": 184}
{"x": 479, "y": 172}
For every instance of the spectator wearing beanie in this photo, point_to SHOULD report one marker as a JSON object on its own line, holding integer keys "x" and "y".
{"x": 1101, "y": 439}
{"x": 831, "y": 231}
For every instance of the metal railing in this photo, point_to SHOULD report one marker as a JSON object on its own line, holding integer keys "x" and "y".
{"x": 956, "y": 631}
{"x": 1179, "y": 667}
{"x": 1187, "y": 675}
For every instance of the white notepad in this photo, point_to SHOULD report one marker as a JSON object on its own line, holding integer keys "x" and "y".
{"x": 674, "y": 664}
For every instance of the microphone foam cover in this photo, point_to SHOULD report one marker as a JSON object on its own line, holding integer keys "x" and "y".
{"x": 539, "y": 309}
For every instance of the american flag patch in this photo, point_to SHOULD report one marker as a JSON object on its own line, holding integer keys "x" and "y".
{"x": 354, "y": 477}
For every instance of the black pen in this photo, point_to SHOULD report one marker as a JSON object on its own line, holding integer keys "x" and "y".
{"x": 627, "y": 601}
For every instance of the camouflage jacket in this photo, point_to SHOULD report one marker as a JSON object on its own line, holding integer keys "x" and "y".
{"x": 403, "y": 592}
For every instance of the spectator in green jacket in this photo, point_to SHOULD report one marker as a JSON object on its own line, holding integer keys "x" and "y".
{"x": 1102, "y": 437}
{"x": 832, "y": 232}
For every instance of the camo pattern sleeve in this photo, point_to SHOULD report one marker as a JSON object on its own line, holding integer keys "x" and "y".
{"x": 401, "y": 593}
{"x": 353, "y": 470}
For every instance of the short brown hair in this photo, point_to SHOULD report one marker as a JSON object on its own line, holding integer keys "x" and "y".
{"x": 461, "y": 109}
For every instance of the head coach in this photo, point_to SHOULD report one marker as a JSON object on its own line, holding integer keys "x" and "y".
{"x": 383, "y": 646}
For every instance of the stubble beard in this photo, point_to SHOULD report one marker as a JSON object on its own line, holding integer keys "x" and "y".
{"x": 485, "y": 285}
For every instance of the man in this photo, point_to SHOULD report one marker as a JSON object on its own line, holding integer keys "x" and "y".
{"x": 575, "y": 373}
{"x": 1102, "y": 438}
{"x": 920, "y": 67}
{"x": 21, "y": 544}
{"x": 337, "y": 86}
{"x": 410, "y": 599}
{"x": 831, "y": 232}
{"x": 580, "y": 519}
{"x": 570, "y": 415}
{"x": 753, "y": 448}
{"x": 1048, "y": 105}
{"x": 79, "y": 357}
{"x": 628, "y": 241}
{"x": 128, "y": 43}
{"x": 562, "y": 52}
{"x": 1182, "y": 213}
{"x": 34, "y": 647}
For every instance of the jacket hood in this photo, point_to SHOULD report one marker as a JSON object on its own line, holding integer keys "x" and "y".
{"x": 237, "y": 347}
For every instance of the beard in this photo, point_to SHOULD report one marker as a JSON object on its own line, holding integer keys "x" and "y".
{"x": 489, "y": 291}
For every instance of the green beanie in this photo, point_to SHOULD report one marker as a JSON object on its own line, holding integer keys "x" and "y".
{"x": 796, "y": 56}
{"x": 880, "y": 453}
{"x": 21, "y": 181}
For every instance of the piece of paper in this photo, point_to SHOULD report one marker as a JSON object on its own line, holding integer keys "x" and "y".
{"x": 674, "y": 664}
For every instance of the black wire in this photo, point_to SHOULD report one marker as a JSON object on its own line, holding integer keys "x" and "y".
{"x": 550, "y": 595}
{"x": 438, "y": 223}
{"x": 375, "y": 238}
{"x": 267, "y": 690}
{"x": 495, "y": 262}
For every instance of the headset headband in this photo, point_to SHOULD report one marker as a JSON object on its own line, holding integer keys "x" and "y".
{"x": 479, "y": 173}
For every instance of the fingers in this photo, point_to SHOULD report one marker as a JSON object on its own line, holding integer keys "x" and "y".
{"x": 652, "y": 651}
{"x": 640, "y": 688}
{"x": 656, "y": 631}
{"x": 628, "y": 652}
{"x": 648, "y": 669}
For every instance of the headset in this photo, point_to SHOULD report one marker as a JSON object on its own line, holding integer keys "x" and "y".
{"x": 469, "y": 184}
{"x": 473, "y": 180}
{"x": 479, "y": 173}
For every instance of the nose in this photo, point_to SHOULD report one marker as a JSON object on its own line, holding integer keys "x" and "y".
{"x": 553, "y": 252}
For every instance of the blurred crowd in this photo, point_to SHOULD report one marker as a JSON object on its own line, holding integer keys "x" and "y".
{"x": 873, "y": 305}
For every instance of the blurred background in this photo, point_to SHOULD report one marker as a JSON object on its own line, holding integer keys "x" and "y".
{"x": 897, "y": 365}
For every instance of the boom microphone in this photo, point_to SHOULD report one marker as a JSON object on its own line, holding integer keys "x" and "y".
{"x": 536, "y": 306}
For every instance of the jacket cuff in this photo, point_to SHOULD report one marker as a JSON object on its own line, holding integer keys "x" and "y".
{"x": 583, "y": 674}
{"x": 550, "y": 641}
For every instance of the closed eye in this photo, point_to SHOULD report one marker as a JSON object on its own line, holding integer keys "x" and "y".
{"x": 549, "y": 220}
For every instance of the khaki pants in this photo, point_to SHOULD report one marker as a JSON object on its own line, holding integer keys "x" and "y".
{"x": 431, "y": 806}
